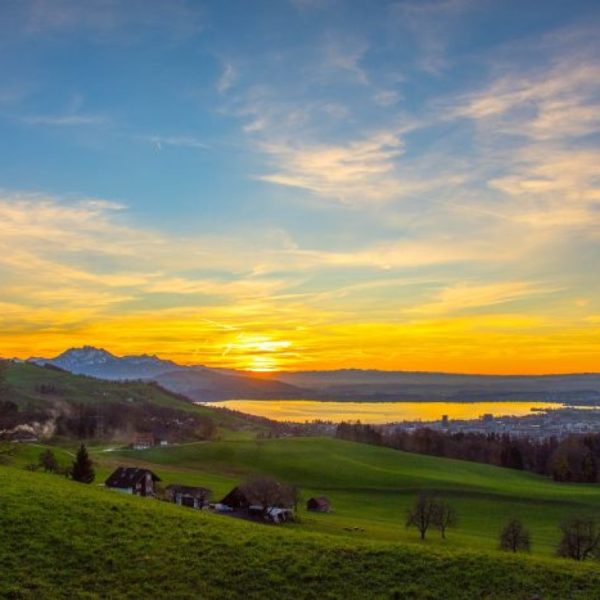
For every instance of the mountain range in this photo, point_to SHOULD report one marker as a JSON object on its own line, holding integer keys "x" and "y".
{"x": 200, "y": 383}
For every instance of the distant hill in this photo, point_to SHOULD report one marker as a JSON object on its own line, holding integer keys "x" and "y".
{"x": 198, "y": 383}
{"x": 355, "y": 384}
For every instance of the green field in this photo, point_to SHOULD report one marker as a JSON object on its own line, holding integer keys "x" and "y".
{"x": 61, "y": 539}
{"x": 371, "y": 487}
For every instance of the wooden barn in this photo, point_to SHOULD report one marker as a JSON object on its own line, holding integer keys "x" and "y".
{"x": 133, "y": 480}
{"x": 318, "y": 504}
{"x": 194, "y": 497}
{"x": 237, "y": 499}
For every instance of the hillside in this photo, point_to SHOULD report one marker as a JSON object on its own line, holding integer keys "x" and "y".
{"x": 62, "y": 539}
{"x": 49, "y": 396}
{"x": 371, "y": 487}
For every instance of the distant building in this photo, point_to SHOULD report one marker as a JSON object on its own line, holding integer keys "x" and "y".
{"x": 143, "y": 441}
{"x": 194, "y": 497}
{"x": 445, "y": 421}
{"x": 319, "y": 504}
{"x": 133, "y": 480}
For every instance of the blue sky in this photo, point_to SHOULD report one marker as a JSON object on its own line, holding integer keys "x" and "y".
{"x": 298, "y": 183}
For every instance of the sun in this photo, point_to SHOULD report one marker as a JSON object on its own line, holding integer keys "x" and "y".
{"x": 258, "y": 353}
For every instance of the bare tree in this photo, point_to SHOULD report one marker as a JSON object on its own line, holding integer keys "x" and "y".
{"x": 422, "y": 514}
{"x": 515, "y": 537}
{"x": 267, "y": 492}
{"x": 48, "y": 461}
{"x": 444, "y": 516}
{"x": 580, "y": 538}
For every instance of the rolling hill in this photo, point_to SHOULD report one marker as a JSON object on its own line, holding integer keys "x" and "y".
{"x": 372, "y": 487}
{"x": 49, "y": 396}
{"x": 64, "y": 539}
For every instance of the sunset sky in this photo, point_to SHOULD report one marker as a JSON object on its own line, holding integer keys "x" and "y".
{"x": 303, "y": 184}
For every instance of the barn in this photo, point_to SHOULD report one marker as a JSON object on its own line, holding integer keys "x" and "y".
{"x": 237, "y": 499}
{"x": 183, "y": 495}
{"x": 318, "y": 504}
{"x": 133, "y": 480}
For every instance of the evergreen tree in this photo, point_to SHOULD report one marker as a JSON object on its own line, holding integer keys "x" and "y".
{"x": 82, "y": 469}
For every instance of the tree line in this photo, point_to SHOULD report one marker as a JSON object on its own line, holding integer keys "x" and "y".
{"x": 575, "y": 458}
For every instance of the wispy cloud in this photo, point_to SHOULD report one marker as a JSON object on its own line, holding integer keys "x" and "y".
{"x": 183, "y": 141}
{"x": 68, "y": 120}
{"x": 464, "y": 297}
{"x": 227, "y": 78}
{"x": 107, "y": 19}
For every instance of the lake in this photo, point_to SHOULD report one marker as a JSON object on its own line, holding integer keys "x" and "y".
{"x": 378, "y": 412}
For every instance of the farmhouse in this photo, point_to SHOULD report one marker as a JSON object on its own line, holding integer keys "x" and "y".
{"x": 143, "y": 441}
{"x": 132, "y": 480}
{"x": 194, "y": 497}
{"x": 318, "y": 504}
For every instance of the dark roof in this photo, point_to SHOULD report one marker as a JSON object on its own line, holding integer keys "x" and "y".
{"x": 196, "y": 492}
{"x": 319, "y": 501}
{"x": 126, "y": 477}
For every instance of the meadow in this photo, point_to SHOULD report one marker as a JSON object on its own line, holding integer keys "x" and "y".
{"x": 62, "y": 539}
{"x": 371, "y": 488}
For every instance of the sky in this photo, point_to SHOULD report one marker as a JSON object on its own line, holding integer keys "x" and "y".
{"x": 303, "y": 184}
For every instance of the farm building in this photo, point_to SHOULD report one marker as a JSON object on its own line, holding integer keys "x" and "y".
{"x": 143, "y": 441}
{"x": 237, "y": 499}
{"x": 318, "y": 504}
{"x": 194, "y": 497}
{"x": 132, "y": 480}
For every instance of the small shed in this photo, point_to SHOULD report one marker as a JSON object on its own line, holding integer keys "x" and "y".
{"x": 318, "y": 504}
{"x": 133, "y": 480}
{"x": 194, "y": 497}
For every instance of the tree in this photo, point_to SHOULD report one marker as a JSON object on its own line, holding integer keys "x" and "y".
{"x": 83, "y": 468}
{"x": 267, "y": 492}
{"x": 580, "y": 538}
{"x": 444, "y": 516}
{"x": 514, "y": 537}
{"x": 4, "y": 389}
{"x": 48, "y": 461}
{"x": 422, "y": 514}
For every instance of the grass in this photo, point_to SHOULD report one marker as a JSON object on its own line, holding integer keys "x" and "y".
{"x": 61, "y": 539}
{"x": 371, "y": 488}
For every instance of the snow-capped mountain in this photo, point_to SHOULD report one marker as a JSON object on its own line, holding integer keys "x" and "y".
{"x": 197, "y": 382}
{"x": 98, "y": 362}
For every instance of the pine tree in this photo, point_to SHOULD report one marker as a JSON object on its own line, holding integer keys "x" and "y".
{"x": 82, "y": 469}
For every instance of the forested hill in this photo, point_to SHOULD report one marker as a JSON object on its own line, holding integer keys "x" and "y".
{"x": 49, "y": 401}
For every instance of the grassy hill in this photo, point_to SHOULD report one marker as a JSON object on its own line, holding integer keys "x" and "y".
{"x": 371, "y": 487}
{"x": 34, "y": 387}
{"x": 62, "y": 539}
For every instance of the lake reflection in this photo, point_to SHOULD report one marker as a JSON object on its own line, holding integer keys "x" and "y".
{"x": 377, "y": 412}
